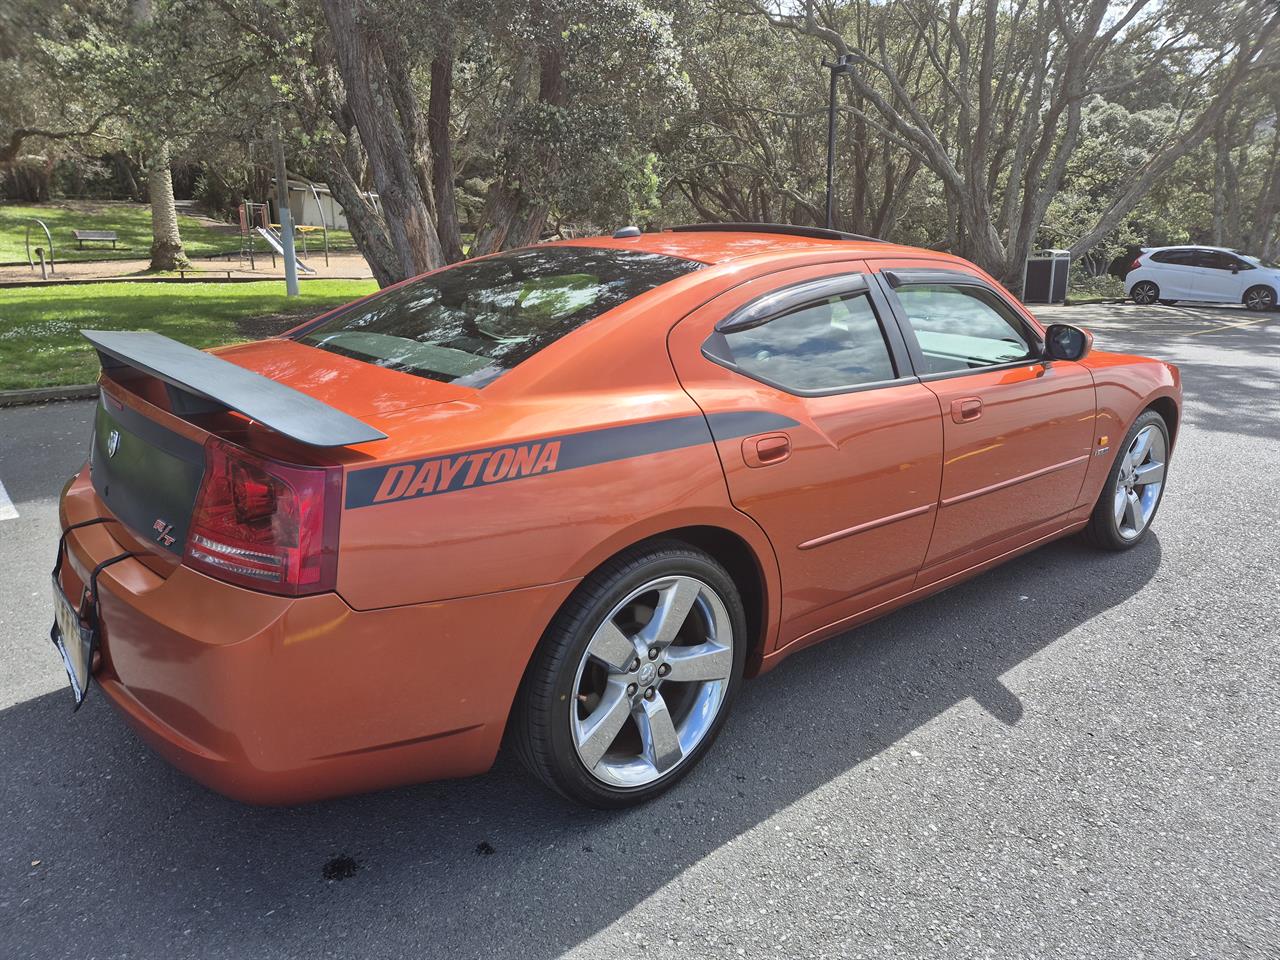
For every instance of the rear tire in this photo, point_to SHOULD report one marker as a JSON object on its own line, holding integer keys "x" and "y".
{"x": 634, "y": 677}
{"x": 1144, "y": 293}
{"x": 1260, "y": 298}
{"x": 1134, "y": 488}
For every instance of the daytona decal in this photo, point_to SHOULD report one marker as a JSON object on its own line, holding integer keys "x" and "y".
{"x": 476, "y": 468}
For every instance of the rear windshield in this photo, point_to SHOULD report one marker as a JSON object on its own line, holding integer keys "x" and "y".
{"x": 473, "y": 322}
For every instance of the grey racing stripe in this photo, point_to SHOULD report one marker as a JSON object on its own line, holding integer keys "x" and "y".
{"x": 481, "y": 467}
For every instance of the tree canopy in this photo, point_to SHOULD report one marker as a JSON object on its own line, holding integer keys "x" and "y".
{"x": 986, "y": 127}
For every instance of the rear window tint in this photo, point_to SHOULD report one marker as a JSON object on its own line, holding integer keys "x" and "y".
{"x": 1181, "y": 258}
{"x": 471, "y": 323}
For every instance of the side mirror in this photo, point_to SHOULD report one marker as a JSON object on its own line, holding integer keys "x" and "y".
{"x": 1064, "y": 342}
{"x": 1235, "y": 269}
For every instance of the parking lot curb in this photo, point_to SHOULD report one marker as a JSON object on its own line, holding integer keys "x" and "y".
{"x": 18, "y": 398}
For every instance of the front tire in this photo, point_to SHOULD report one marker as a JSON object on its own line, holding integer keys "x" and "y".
{"x": 634, "y": 678}
{"x": 1127, "y": 505}
{"x": 1144, "y": 293}
{"x": 1260, "y": 298}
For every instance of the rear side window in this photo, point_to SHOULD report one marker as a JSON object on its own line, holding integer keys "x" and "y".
{"x": 963, "y": 327}
{"x": 471, "y": 323}
{"x": 824, "y": 346}
{"x": 1177, "y": 258}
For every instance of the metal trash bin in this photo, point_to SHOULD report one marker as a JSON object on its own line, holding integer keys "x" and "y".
{"x": 1044, "y": 278}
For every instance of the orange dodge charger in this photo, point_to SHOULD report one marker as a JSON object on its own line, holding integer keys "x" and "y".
{"x": 571, "y": 495}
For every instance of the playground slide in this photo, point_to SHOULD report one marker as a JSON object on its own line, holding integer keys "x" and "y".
{"x": 269, "y": 234}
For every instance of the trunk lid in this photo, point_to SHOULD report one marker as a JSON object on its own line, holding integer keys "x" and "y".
{"x": 355, "y": 387}
{"x": 158, "y": 406}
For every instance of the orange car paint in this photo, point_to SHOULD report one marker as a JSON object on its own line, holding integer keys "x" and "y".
{"x": 467, "y": 528}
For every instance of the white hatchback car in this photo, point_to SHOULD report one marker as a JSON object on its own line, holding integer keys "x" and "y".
{"x": 1206, "y": 274}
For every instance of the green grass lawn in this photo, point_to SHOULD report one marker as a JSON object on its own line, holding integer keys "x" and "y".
{"x": 132, "y": 221}
{"x": 41, "y": 346}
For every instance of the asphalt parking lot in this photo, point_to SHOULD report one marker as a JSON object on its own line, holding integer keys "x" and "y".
{"x": 1075, "y": 755}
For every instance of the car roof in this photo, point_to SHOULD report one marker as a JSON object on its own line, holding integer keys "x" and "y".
{"x": 1190, "y": 246}
{"x": 717, "y": 246}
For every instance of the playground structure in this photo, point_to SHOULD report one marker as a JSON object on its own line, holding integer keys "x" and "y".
{"x": 255, "y": 221}
{"x": 40, "y": 250}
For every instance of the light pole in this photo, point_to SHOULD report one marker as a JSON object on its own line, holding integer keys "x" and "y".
{"x": 286, "y": 218}
{"x": 841, "y": 64}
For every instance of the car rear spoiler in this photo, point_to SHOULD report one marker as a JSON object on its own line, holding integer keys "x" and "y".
{"x": 199, "y": 382}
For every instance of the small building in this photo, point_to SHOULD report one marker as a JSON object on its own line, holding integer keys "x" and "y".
{"x": 311, "y": 204}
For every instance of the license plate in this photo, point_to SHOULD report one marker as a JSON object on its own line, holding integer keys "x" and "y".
{"x": 74, "y": 641}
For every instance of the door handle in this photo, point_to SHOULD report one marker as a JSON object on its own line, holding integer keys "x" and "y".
{"x": 966, "y": 409}
{"x": 764, "y": 451}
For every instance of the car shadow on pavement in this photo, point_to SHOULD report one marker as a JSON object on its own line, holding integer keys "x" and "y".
{"x": 108, "y": 850}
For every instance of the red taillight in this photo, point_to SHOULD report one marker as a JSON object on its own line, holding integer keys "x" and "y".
{"x": 266, "y": 525}
{"x": 1137, "y": 262}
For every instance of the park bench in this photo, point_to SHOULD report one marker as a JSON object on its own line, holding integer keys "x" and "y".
{"x": 103, "y": 235}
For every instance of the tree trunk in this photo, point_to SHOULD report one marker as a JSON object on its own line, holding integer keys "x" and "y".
{"x": 1221, "y": 149}
{"x": 166, "y": 243}
{"x": 439, "y": 109}
{"x": 1262, "y": 236}
{"x": 374, "y": 75}
{"x": 367, "y": 227}
{"x": 511, "y": 218}
{"x": 124, "y": 175}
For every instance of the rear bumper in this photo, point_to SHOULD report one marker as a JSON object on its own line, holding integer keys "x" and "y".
{"x": 277, "y": 700}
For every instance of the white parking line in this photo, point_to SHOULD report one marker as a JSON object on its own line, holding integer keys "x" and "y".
{"x": 7, "y": 509}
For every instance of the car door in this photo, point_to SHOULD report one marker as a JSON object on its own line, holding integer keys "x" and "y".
{"x": 1182, "y": 274}
{"x": 1018, "y": 430}
{"x": 1221, "y": 277}
{"x": 828, "y": 440}
{"x": 1173, "y": 272}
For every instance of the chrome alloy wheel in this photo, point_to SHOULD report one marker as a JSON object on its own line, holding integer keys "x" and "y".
{"x": 1144, "y": 293}
{"x": 652, "y": 681}
{"x": 1139, "y": 481}
{"x": 1260, "y": 298}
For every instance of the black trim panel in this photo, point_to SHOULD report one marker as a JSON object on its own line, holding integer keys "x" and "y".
{"x": 905, "y": 275}
{"x": 152, "y": 432}
{"x": 146, "y": 475}
{"x": 788, "y": 299}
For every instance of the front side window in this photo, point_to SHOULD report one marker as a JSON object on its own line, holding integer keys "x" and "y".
{"x": 963, "y": 327}
{"x": 825, "y": 346}
{"x": 1213, "y": 260}
{"x": 471, "y": 323}
{"x": 1229, "y": 261}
